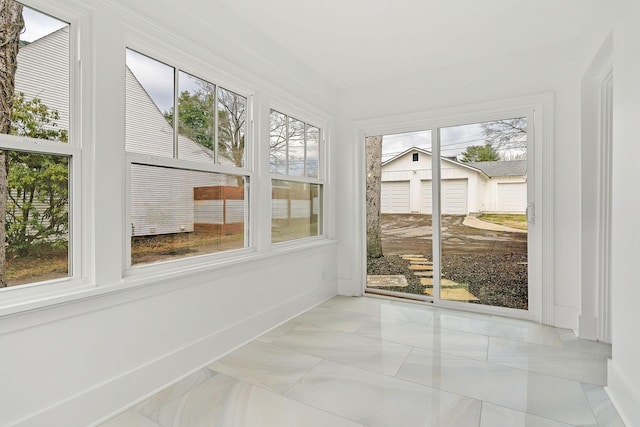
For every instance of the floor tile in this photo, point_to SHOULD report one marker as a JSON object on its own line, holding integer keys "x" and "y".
{"x": 427, "y": 337}
{"x": 546, "y": 396}
{"x": 602, "y": 407}
{"x": 493, "y": 416}
{"x": 174, "y": 391}
{"x": 571, "y": 342}
{"x": 384, "y": 308}
{"x": 343, "y": 321}
{"x": 380, "y": 401}
{"x": 225, "y": 401}
{"x": 266, "y": 365}
{"x": 349, "y": 349}
{"x": 558, "y": 362}
{"x": 511, "y": 329}
{"x": 130, "y": 418}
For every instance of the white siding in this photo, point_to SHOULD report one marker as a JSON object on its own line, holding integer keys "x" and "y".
{"x": 43, "y": 72}
{"x": 162, "y": 200}
{"x": 394, "y": 197}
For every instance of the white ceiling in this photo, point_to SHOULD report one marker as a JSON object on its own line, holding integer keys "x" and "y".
{"x": 354, "y": 41}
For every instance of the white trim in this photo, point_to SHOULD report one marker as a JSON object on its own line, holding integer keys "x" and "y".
{"x": 624, "y": 397}
{"x": 604, "y": 222}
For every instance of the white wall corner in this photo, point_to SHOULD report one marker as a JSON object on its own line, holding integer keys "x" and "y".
{"x": 625, "y": 398}
{"x": 565, "y": 317}
{"x": 349, "y": 288}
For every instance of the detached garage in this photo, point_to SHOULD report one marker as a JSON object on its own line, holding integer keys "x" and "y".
{"x": 407, "y": 181}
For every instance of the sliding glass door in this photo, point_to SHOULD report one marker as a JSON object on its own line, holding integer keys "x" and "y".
{"x": 451, "y": 213}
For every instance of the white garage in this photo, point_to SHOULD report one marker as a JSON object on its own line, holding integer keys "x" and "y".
{"x": 394, "y": 197}
{"x": 454, "y": 194}
{"x": 512, "y": 196}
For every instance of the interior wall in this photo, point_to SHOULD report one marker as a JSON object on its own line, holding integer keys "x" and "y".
{"x": 624, "y": 370}
{"x": 76, "y": 358}
{"x": 553, "y": 69}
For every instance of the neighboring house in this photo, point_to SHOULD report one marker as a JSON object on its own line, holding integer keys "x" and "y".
{"x": 406, "y": 185}
{"x": 163, "y": 200}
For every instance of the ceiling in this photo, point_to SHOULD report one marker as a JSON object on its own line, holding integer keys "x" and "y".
{"x": 351, "y": 41}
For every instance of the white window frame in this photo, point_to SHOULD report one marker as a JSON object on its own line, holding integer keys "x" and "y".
{"x": 196, "y": 261}
{"x": 299, "y": 114}
{"x": 13, "y": 296}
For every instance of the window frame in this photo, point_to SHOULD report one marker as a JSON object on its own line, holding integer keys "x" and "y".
{"x": 73, "y": 149}
{"x": 310, "y": 119}
{"x": 166, "y": 266}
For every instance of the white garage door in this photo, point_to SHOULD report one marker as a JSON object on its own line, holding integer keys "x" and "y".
{"x": 454, "y": 197}
{"x": 425, "y": 197}
{"x": 394, "y": 197}
{"x": 512, "y": 197}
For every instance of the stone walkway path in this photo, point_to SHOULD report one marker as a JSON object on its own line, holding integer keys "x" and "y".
{"x": 423, "y": 268}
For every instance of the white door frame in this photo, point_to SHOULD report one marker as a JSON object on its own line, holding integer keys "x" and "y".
{"x": 539, "y": 112}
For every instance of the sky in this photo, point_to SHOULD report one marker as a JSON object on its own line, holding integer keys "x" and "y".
{"x": 454, "y": 140}
{"x": 37, "y": 25}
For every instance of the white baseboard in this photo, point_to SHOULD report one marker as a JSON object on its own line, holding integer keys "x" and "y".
{"x": 624, "y": 397}
{"x": 348, "y": 288}
{"x": 114, "y": 395}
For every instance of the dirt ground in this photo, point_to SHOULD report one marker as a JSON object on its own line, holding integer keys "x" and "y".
{"x": 492, "y": 265}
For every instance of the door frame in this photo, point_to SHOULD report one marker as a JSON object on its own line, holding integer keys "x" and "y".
{"x": 539, "y": 111}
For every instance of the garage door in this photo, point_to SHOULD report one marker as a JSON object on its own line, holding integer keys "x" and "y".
{"x": 454, "y": 197}
{"x": 394, "y": 197}
{"x": 425, "y": 197}
{"x": 512, "y": 197}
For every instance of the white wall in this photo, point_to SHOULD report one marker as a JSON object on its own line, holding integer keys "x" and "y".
{"x": 624, "y": 370}
{"x": 71, "y": 359}
{"x": 553, "y": 69}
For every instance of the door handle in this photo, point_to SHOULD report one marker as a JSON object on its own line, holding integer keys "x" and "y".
{"x": 531, "y": 213}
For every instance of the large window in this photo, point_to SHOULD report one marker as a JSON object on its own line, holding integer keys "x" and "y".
{"x": 37, "y": 151}
{"x": 188, "y": 183}
{"x": 296, "y": 195}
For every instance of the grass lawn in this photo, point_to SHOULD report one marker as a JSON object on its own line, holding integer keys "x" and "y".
{"x": 518, "y": 221}
{"x": 43, "y": 264}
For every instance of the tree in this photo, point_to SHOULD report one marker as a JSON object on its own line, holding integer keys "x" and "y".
{"x": 196, "y": 121}
{"x": 11, "y": 25}
{"x": 373, "y": 149}
{"x": 480, "y": 153}
{"x": 508, "y": 136}
{"x": 38, "y": 195}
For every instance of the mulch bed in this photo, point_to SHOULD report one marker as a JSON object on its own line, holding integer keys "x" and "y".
{"x": 497, "y": 279}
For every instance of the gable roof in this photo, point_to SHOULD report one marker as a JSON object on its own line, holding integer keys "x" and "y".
{"x": 428, "y": 153}
{"x": 502, "y": 168}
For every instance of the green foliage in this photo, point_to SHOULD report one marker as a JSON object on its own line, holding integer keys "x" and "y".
{"x": 38, "y": 196}
{"x": 195, "y": 116}
{"x": 480, "y": 153}
{"x": 196, "y": 120}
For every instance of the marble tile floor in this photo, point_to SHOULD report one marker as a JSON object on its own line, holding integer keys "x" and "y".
{"x": 376, "y": 362}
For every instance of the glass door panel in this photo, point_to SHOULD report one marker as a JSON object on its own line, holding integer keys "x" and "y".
{"x": 399, "y": 176}
{"x": 483, "y": 201}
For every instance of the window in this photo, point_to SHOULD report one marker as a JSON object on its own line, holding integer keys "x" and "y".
{"x": 41, "y": 155}
{"x": 296, "y": 195}
{"x": 188, "y": 184}
{"x": 415, "y": 157}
